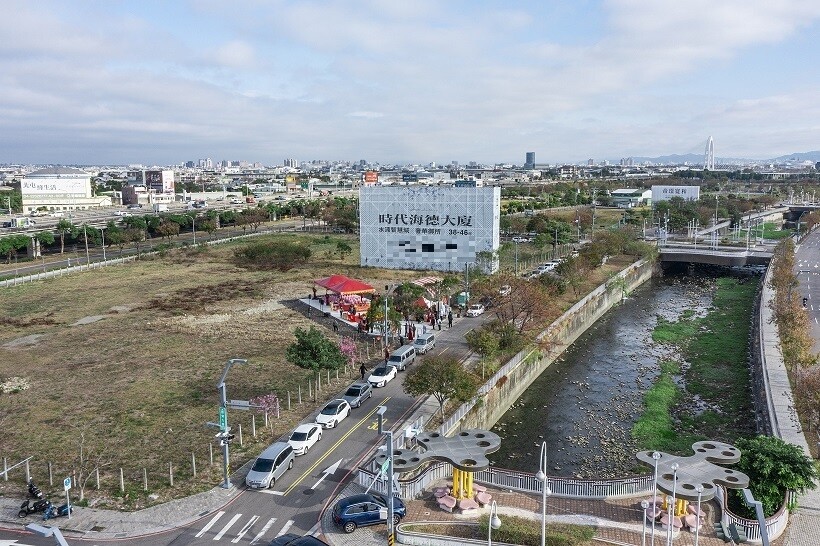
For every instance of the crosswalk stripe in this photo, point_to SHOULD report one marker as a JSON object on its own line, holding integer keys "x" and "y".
{"x": 210, "y": 524}
{"x": 228, "y": 526}
{"x": 263, "y": 531}
{"x": 285, "y": 528}
{"x": 245, "y": 529}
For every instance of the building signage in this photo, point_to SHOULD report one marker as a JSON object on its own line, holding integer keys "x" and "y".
{"x": 429, "y": 227}
{"x": 665, "y": 193}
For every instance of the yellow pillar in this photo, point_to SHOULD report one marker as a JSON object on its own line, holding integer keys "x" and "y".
{"x": 468, "y": 478}
{"x": 456, "y": 482}
{"x": 680, "y": 507}
{"x": 665, "y": 504}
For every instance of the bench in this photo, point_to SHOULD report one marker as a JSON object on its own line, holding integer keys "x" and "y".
{"x": 483, "y": 498}
{"x": 447, "y": 503}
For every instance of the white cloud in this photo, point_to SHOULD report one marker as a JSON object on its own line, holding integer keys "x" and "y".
{"x": 401, "y": 80}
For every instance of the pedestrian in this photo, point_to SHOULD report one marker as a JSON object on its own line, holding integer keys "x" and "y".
{"x": 450, "y": 319}
{"x": 362, "y": 370}
{"x": 424, "y": 328}
{"x": 335, "y": 326}
{"x": 401, "y": 340}
{"x": 439, "y": 324}
{"x": 386, "y": 354}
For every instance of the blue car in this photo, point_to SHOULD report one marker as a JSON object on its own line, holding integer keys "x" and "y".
{"x": 363, "y": 510}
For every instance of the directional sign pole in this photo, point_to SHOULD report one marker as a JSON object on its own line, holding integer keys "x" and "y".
{"x": 67, "y": 486}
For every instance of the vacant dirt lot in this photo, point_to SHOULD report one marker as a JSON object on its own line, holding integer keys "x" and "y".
{"x": 124, "y": 362}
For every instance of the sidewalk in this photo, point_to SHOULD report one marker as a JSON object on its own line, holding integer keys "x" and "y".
{"x": 96, "y": 524}
{"x": 616, "y": 521}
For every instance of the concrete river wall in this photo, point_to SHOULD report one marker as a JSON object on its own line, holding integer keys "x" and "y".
{"x": 498, "y": 394}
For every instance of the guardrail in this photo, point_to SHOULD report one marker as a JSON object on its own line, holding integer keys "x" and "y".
{"x": 571, "y": 488}
{"x": 14, "y": 281}
{"x": 775, "y": 525}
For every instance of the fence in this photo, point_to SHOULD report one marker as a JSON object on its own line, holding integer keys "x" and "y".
{"x": 775, "y": 524}
{"x": 34, "y": 277}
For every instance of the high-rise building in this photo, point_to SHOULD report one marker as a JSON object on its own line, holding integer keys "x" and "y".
{"x": 290, "y": 162}
{"x": 529, "y": 162}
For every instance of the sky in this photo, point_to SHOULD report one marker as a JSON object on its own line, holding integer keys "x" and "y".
{"x": 162, "y": 82}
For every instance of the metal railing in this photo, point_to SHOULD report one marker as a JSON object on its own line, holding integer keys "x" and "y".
{"x": 572, "y": 488}
{"x": 775, "y": 525}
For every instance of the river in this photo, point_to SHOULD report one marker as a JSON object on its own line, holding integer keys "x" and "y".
{"x": 585, "y": 403}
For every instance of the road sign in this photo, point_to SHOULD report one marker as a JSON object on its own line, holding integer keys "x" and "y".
{"x": 386, "y": 465}
{"x": 239, "y": 404}
{"x": 223, "y": 418}
{"x": 67, "y": 484}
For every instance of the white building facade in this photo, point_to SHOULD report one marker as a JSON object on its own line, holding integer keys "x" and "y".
{"x": 59, "y": 188}
{"x": 442, "y": 228}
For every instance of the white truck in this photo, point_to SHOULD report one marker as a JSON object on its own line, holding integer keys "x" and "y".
{"x": 160, "y": 207}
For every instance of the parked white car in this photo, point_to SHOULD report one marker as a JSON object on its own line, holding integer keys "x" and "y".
{"x": 121, "y": 213}
{"x": 304, "y": 437}
{"x": 475, "y": 310}
{"x": 333, "y": 413}
{"x": 382, "y": 375}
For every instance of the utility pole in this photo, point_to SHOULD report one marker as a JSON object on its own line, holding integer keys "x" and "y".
{"x": 224, "y": 433}
{"x": 388, "y": 446}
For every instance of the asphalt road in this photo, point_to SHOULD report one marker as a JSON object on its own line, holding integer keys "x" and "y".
{"x": 294, "y": 504}
{"x": 807, "y": 267}
{"x": 75, "y": 254}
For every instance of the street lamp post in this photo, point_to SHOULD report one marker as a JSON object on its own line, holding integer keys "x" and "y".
{"x": 193, "y": 226}
{"x": 542, "y": 477}
{"x": 102, "y": 234}
{"x": 699, "y": 489}
{"x": 223, "y": 419}
{"x": 656, "y": 457}
{"x": 493, "y": 523}
{"x": 672, "y": 505}
{"x": 645, "y": 505}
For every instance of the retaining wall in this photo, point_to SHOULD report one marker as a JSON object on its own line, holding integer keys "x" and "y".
{"x": 503, "y": 389}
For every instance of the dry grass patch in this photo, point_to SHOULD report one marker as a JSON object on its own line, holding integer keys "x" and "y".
{"x": 138, "y": 386}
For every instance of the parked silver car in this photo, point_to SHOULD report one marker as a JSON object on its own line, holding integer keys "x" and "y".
{"x": 358, "y": 393}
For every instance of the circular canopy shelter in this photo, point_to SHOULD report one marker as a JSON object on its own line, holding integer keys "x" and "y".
{"x": 342, "y": 285}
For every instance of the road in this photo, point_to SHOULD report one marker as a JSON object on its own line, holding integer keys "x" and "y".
{"x": 75, "y": 254}
{"x": 293, "y": 505}
{"x": 807, "y": 267}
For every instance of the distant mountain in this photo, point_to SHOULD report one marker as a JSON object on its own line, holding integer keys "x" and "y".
{"x": 697, "y": 159}
{"x": 799, "y": 156}
{"x": 671, "y": 159}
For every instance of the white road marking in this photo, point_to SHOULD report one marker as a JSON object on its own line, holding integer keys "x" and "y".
{"x": 269, "y": 492}
{"x": 228, "y": 526}
{"x": 245, "y": 529}
{"x": 264, "y": 530}
{"x": 285, "y": 528}
{"x": 210, "y": 524}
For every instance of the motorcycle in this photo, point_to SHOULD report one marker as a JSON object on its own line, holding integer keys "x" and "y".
{"x": 52, "y": 511}
{"x": 33, "y": 490}
{"x": 28, "y": 508}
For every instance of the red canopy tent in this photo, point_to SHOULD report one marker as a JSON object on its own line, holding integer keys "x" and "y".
{"x": 344, "y": 285}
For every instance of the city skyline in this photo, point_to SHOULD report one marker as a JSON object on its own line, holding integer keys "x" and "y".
{"x": 132, "y": 82}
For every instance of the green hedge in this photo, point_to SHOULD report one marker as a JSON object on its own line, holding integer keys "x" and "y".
{"x": 527, "y": 532}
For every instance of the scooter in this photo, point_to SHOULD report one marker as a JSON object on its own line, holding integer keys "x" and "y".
{"x": 33, "y": 490}
{"x": 52, "y": 511}
{"x": 28, "y": 508}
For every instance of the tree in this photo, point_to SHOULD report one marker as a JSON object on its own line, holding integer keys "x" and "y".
{"x": 11, "y": 244}
{"x": 313, "y": 351}
{"x": 63, "y": 227}
{"x": 168, "y": 229}
{"x": 443, "y": 378}
{"x": 343, "y": 249}
{"x": 45, "y": 238}
{"x": 281, "y": 255}
{"x": 484, "y": 342}
{"x": 136, "y": 236}
{"x": 774, "y": 467}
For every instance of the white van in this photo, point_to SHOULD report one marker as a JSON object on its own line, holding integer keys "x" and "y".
{"x": 424, "y": 343}
{"x": 402, "y": 357}
{"x": 270, "y": 465}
